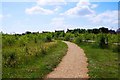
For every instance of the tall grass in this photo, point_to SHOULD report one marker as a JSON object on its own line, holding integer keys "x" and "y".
{"x": 30, "y": 55}
{"x": 103, "y": 63}
{"x": 40, "y": 65}
{"x": 102, "y": 54}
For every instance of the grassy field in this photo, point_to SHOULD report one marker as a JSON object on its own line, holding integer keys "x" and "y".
{"x": 103, "y": 63}
{"x": 34, "y": 55}
{"x": 38, "y": 67}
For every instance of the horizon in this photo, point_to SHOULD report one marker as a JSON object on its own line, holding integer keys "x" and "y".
{"x": 57, "y": 30}
{"x": 19, "y": 17}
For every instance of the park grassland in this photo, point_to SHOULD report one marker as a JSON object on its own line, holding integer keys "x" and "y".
{"x": 40, "y": 66}
{"x": 30, "y": 55}
{"x": 34, "y": 55}
{"x": 102, "y": 54}
{"x": 102, "y": 63}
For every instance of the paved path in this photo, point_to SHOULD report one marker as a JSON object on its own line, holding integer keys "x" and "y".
{"x": 73, "y": 65}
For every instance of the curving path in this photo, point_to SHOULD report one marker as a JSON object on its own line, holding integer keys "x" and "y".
{"x": 73, "y": 65}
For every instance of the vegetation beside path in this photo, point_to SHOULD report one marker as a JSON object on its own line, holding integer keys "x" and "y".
{"x": 22, "y": 52}
{"x": 30, "y": 55}
{"x": 102, "y": 63}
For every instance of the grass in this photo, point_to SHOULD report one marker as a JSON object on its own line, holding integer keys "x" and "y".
{"x": 103, "y": 63}
{"x": 0, "y": 64}
{"x": 39, "y": 67}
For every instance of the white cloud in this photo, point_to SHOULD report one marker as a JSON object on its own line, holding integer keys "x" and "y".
{"x": 38, "y": 10}
{"x": 50, "y": 2}
{"x": 57, "y": 8}
{"x": 1, "y": 16}
{"x": 94, "y": 5}
{"x": 107, "y": 17}
{"x": 83, "y": 3}
{"x": 79, "y": 11}
{"x": 82, "y": 8}
{"x": 57, "y": 22}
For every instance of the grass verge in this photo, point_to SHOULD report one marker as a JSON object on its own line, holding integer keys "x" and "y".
{"x": 103, "y": 63}
{"x": 41, "y": 66}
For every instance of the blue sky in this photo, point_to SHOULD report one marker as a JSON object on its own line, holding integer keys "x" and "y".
{"x": 40, "y": 15}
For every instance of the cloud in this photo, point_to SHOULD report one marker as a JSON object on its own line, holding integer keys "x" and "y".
{"x": 57, "y": 22}
{"x": 107, "y": 17}
{"x": 83, "y": 3}
{"x": 51, "y": 2}
{"x": 82, "y": 8}
{"x": 38, "y": 10}
{"x": 57, "y": 8}
{"x": 94, "y": 6}
{"x": 79, "y": 11}
{"x": 1, "y": 16}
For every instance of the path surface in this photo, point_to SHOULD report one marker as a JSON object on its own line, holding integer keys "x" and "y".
{"x": 73, "y": 65}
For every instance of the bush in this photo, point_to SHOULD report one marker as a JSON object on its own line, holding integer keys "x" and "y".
{"x": 48, "y": 38}
{"x": 78, "y": 40}
{"x": 10, "y": 59}
{"x": 116, "y": 48}
{"x": 8, "y": 41}
{"x": 69, "y": 37}
{"x": 103, "y": 41}
{"x": 43, "y": 49}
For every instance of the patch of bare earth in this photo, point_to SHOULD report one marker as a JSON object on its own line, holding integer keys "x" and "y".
{"x": 73, "y": 65}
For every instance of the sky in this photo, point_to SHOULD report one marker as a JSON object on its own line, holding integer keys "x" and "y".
{"x": 41, "y": 15}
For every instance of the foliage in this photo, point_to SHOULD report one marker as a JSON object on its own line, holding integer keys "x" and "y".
{"x": 103, "y": 41}
{"x": 10, "y": 59}
{"x": 78, "y": 40}
{"x": 36, "y": 66}
{"x": 69, "y": 37}
{"x": 102, "y": 63}
{"x": 26, "y": 51}
{"x": 48, "y": 38}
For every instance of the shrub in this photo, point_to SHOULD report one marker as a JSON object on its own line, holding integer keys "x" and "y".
{"x": 78, "y": 40}
{"x": 35, "y": 40}
{"x": 11, "y": 59}
{"x": 43, "y": 49}
{"x": 103, "y": 42}
{"x": 116, "y": 48}
{"x": 48, "y": 38}
{"x": 8, "y": 41}
{"x": 26, "y": 50}
{"x": 69, "y": 37}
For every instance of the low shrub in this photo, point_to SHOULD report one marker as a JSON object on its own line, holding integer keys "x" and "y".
{"x": 78, "y": 40}
{"x": 48, "y": 38}
{"x": 103, "y": 41}
{"x": 43, "y": 50}
{"x": 10, "y": 59}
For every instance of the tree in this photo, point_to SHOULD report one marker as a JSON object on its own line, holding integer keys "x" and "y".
{"x": 95, "y": 31}
{"x": 28, "y": 32}
{"x": 104, "y": 30}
